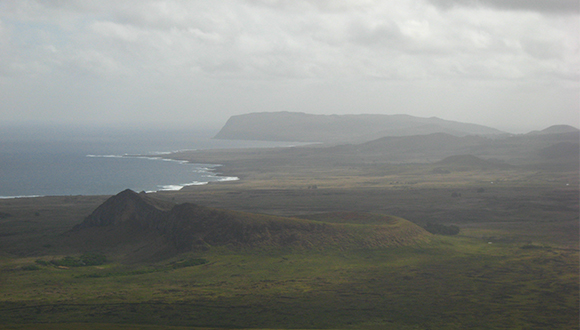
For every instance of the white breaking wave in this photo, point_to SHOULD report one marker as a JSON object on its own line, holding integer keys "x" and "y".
{"x": 177, "y": 187}
{"x": 14, "y": 197}
{"x": 143, "y": 157}
{"x": 227, "y": 178}
{"x": 105, "y": 156}
{"x": 206, "y": 169}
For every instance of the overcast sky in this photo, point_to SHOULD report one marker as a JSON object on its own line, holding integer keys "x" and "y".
{"x": 509, "y": 64}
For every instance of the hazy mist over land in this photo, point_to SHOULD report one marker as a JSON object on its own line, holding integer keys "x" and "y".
{"x": 289, "y": 164}
{"x": 511, "y": 65}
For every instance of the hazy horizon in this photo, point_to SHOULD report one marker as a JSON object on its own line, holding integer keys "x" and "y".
{"x": 511, "y": 66}
{"x": 37, "y": 130}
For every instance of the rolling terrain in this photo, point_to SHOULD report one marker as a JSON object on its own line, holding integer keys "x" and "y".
{"x": 401, "y": 159}
{"x": 315, "y": 237}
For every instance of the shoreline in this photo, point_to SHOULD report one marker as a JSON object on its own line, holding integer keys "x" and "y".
{"x": 89, "y": 165}
{"x": 202, "y": 170}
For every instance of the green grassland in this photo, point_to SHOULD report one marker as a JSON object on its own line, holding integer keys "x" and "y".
{"x": 448, "y": 283}
{"x": 514, "y": 264}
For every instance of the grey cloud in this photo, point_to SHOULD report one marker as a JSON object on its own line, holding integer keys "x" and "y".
{"x": 225, "y": 66}
{"x": 248, "y": 39}
{"x": 343, "y": 55}
{"x": 545, "y": 6}
{"x": 382, "y": 33}
{"x": 544, "y": 50}
{"x": 322, "y": 5}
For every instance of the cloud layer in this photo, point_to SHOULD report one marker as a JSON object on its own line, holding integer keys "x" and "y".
{"x": 171, "y": 61}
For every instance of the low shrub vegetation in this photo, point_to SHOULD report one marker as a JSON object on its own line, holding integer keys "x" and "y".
{"x": 87, "y": 259}
{"x": 439, "y": 229}
{"x": 189, "y": 263}
{"x": 30, "y": 267}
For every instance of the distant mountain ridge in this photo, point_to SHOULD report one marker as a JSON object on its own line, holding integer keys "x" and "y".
{"x": 302, "y": 127}
{"x": 146, "y": 228}
{"x": 556, "y": 129}
{"x": 540, "y": 151}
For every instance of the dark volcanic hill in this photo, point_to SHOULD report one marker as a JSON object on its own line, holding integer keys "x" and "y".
{"x": 144, "y": 228}
{"x": 127, "y": 208}
{"x": 293, "y": 126}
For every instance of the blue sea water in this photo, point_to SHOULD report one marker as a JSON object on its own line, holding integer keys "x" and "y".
{"x": 48, "y": 161}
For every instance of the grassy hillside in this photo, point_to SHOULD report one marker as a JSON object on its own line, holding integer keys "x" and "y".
{"x": 135, "y": 226}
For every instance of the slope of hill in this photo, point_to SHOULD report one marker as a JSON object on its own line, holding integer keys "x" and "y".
{"x": 292, "y": 126}
{"x": 515, "y": 150}
{"x": 143, "y": 228}
{"x": 127, "y": 207}
{"x": 561, "y": 150}
{"x": 556, "y": 129}
{"x": 469, "y": 162}
{"x": 421, "y": 148}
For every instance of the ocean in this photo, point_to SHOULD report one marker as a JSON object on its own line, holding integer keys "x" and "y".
{"x": 51, "y": 160}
